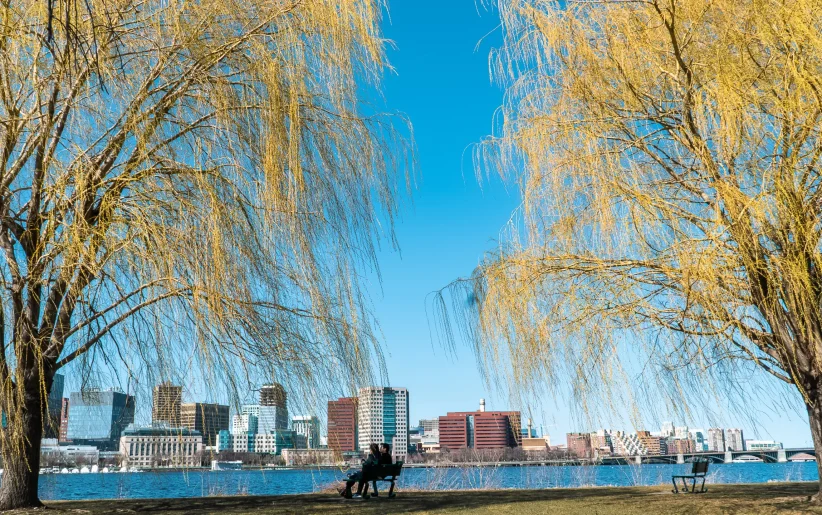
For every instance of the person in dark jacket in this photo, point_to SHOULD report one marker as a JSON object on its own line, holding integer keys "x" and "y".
{"x": 385, "y": 454}
{"x": 385, "y": 459}
{"x": 373, "y": 458}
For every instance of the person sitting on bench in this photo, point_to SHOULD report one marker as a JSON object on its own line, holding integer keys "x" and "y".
{"x": 372, "y": 459}
{"x": 385, "y": 459}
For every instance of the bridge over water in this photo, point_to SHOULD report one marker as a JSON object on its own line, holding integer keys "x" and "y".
{"x": 775, "y": 456}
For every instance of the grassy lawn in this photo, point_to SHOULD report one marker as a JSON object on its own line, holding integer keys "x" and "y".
{"x": 782, "y": 498}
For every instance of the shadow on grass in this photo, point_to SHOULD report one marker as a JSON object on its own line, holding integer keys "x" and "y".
{"x": 726, "y": 498}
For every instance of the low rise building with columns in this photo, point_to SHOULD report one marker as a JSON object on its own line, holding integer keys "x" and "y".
{"x": 161, "y": 446}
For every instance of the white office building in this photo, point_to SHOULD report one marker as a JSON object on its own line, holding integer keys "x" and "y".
{"x": 307, "y": 426}
{"x": 244, "y": 423}
{"x": 762, "y": 445}
{"x": 382, "y": 416}
{"x": 52, "y": 453}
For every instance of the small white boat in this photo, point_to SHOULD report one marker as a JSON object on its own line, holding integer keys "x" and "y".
{"x": 75, "y": 471}
{"x": 748, "y": 459}
{"x": 124, "y": 469}
{"x": 64, "y": 471}
{"x": 95, "y": 469}
{"x": 84, "y": 470}
{"x": 134, "y": 469}
{"x": 105, "y": 470}
{"x": 226, "y": 465}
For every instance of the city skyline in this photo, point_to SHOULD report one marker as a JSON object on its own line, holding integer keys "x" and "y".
{"x": 230, "y": 416}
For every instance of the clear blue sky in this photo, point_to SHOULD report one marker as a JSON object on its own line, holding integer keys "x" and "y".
{"x": 442, "y": 84}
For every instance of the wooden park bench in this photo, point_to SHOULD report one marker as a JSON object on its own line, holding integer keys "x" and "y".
{"x": 698, "y": 471}
{"x": 374, "y": 473}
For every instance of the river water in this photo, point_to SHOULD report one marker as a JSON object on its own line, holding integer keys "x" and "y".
{"x": 201, "y": 483}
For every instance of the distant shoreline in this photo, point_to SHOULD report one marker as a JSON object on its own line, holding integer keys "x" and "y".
{"x": 500, "y": 464}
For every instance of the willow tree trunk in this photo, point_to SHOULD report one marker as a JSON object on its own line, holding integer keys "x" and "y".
{"x": 814, "y": 407}
{"x": 21, "y": 465}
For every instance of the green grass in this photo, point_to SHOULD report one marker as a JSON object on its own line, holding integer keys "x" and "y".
{"x": 782, "y": 498}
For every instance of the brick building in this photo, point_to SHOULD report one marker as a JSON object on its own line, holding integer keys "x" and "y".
{"x": 342, "y": 424}
{"x": 579, "y": 444}
{"x": 480, "y": 429}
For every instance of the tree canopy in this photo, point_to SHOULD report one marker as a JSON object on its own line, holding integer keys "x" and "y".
{"x": 195, "y": 180}
{"x": 668, "y": 155}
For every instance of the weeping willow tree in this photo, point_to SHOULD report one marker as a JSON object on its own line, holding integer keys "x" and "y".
{"x": 205, "y": 175}
{"x": 668, "y": 155}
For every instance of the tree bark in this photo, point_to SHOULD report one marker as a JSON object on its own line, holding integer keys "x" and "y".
{"x": 21, "y": 472}
{"x": 815, "y": 420}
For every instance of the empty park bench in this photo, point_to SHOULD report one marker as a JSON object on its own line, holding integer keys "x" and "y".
{"x": 698, "y": 471}
{"x": 374, "y": 473}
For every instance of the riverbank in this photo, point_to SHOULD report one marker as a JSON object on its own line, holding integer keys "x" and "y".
{"x": 782, "y": 498}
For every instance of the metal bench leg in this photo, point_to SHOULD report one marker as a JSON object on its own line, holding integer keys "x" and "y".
{"x": 391, "y": 490}
{"x": 676, "y": 489}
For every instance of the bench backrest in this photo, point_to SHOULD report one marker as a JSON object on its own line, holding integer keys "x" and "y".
{"x": 380, "y": 471}
{"x": 700, "y": 467}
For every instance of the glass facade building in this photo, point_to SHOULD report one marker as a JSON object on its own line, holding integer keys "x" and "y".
{"x": 99, "y": 417}
{"x": 51, "y": 427}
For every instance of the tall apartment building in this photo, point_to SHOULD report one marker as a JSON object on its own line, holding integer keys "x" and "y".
{"x": 342, "y": 425}
{"x": 716, "y": 439}
{"x": 64, "y": 418}
{"x": 480, "y": 429}
{"x": 734, "y": 441}
{"x": 680, "y": 446}
{"x": 382, "y": 416}
{"x": 99, "y": 417}
{"x": 579, "y": 444}
{"x": 681, "y": 432}
{"x": 309, "y": 427}
{"x": 208, "y": 419}
{"x": 273, "y": 395}
{"x": 667, "y": 429}
{"x": 272, "y": 411}
{"x": 51, "y": 426}
{"x": 166, "y": 403}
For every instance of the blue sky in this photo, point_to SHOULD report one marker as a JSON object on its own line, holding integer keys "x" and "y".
{"x": 442, "y": 85}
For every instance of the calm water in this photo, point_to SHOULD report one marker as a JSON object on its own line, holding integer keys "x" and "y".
{"x": 276, "y": 482}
